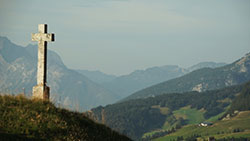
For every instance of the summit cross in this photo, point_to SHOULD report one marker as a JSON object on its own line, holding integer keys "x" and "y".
{"x": 41, "y": 90}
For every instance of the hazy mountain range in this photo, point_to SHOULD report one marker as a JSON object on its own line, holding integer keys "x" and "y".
{"x": 201, "y": 80}
{"x": 77, "y": 89}
{"x": 127, "y": 84}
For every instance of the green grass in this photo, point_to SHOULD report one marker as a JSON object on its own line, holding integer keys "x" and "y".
{"x": 193, "y": 116}
{"x": 245, "y": 134}
{"x": 168, "y": 126}
{"x": 152, "y": 133}
{"x": 25, "y": 119}
{"x": 224, "y": 128}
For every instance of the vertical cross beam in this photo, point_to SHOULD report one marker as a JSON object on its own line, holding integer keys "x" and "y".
{"x": 41, "y": 90}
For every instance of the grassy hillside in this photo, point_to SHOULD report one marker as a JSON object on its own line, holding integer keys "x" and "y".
{"x": 238, "y": 126}
{"x": 24, "y": 119}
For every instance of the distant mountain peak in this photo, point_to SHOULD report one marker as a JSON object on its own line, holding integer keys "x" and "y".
{"x": 243, "y": 63}
{"x": 243, "y": 59}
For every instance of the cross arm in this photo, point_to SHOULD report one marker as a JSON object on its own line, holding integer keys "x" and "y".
{"x": 43, "y": 37}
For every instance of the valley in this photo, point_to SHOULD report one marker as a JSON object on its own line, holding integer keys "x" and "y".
{"x": 168, "y": 112}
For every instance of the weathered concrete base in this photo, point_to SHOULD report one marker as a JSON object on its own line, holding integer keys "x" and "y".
{"x": 41, "y": 92}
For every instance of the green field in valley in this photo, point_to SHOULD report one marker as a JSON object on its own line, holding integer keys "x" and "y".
{"x": 220, "y": 129}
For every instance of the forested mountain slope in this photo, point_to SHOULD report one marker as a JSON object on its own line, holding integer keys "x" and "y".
{"x": 165, "y": 112}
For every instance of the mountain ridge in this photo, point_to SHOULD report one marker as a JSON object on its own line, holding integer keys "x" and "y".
{"x": 139, "y": 79}
{"x": 97, "y": 76}
{"x": 202, "y": 79}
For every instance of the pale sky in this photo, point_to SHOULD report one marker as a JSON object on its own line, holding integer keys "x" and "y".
{"x": 120, "y": 36}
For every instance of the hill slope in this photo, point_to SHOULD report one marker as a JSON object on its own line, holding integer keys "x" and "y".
{"x": 26, "y": 119}
{"x": 202, "y": 80}
{"x": 18, "y": 70}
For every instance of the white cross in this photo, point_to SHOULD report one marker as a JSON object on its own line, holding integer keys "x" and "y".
{"x": 42, "y": 37}
{"x": 41, "y": 90}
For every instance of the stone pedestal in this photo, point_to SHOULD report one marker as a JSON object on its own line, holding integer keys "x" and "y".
{"x": 41, "y": 92}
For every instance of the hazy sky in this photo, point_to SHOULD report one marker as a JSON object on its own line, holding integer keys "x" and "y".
{"x": 120, "y": 36}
